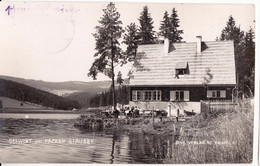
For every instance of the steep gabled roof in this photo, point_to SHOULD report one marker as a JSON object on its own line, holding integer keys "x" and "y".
{"x": 154, "y": 67}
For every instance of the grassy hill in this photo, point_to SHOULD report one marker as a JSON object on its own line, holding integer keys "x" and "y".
{"x": 12, "y": 103}
{"x": 22, "y": 92}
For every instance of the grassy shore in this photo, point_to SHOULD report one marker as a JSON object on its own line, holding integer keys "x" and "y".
{"x": 219, "y": 137}
{"x": 225, "y": 138}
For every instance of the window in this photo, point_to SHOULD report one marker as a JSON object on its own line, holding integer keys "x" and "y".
{"x": 134, "y": 95}
{"x": 146, "y": 95}
{"x": 216, "y": 93}
{"x": 181, "y": 71}
{"x": 154, "y": 95}
{"x": 159, "y": 94}
{"x": 138, "y": 93}
{"x": 180, "y": 95}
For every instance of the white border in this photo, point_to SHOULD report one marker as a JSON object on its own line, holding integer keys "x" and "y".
{"x": 256, "y": 154}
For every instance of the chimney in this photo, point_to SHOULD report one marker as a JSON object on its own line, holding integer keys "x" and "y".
{"x": 166, "y": 45}
{"x": 198, "y": 41}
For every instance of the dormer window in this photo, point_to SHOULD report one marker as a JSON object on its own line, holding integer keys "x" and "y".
{"x": 181, "y": 69}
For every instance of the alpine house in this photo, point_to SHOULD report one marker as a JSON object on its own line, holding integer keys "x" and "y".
{"x": 173, "y": 76}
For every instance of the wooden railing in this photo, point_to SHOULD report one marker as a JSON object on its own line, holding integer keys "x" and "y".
{"x": 218, "y": 105}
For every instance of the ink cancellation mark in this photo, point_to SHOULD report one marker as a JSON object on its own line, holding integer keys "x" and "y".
{"x": 9, "y": 9}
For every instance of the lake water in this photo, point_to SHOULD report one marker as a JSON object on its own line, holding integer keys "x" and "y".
{"x": 51, "y": 138}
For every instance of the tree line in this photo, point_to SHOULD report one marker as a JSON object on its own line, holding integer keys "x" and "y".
{"x": 26, "y": 93}
{"x": 87, "y": 100}
{"x": 244, "y": 44}
{"x": 105, "y": 98}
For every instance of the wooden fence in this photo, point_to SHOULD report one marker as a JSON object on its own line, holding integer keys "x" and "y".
{"x": 218, "y": 106}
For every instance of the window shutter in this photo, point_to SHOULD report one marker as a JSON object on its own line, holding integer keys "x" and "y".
{"x": 186, "y": 95}
{"x": 172, "y": 95}
{"x": 209, "y": 93}
{"x": 223, "y": 94}
{"x": 142, "y": 95}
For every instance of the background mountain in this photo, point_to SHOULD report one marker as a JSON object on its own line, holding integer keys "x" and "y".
{"x": 63, "y": 88}
{"x": 86, "y": 94}
{"x": 25, "y": 93}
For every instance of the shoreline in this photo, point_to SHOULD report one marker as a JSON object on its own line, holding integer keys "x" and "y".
{"x": 168, "y": 125}
{"x": 35, "y": 111}
{"x": 43, "y": 110}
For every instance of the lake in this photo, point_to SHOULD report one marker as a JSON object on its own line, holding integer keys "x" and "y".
{"x": 52, "y": 138}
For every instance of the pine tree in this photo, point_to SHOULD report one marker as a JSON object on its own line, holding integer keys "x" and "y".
{"x": 109, "y": 96}
{"x": 232, "y": 32}
{"x": 119, "y": 94}
{"x": 131, "y": 39}
{"x": 249, "y": 52}
{"x": 101, "y": 100}
{"x": 107, "y": 46}
{"x": 125, "y": 92}
{"x": 169, "y": 27}
{"x": 146, "y": 32}
{"x": 248, "y": 62}
{"x": 119, "y": 79}
{"x": 165, "y": 28}
{"x": 175, "y": 35}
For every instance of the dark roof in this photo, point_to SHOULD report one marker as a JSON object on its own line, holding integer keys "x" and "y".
{"x": 154, "y": 67}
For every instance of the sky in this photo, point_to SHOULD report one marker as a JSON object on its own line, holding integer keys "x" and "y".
{"x": 53, "y": 41}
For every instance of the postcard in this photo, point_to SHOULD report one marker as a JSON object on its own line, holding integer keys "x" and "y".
{"x": 127, "y": 83}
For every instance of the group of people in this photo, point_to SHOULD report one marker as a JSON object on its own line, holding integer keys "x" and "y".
{"x": 127, "y": 111}
{"x": 133, "y": 111}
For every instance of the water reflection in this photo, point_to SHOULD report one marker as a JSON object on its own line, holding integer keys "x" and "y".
{"x": 108, "y": 147}
{"x": 150, "y": 148}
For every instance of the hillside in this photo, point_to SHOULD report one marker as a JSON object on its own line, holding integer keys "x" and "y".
{"x": 82, "y": 92}
{"x": 63, "y": 88}
{"x": 22, "y": 92}
{"x": 12, "y": 103}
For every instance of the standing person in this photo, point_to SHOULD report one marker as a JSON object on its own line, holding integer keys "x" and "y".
{"x": 116, "y": 113}
{"x": 136, "y": 112}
